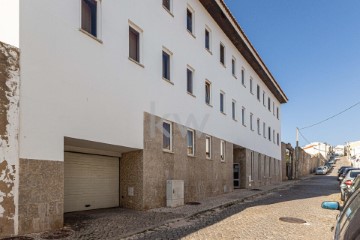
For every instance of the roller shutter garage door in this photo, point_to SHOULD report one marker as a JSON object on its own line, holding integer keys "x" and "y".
{"x": 91, "y": 182}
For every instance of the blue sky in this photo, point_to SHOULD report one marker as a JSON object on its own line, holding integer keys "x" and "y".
{"x": 312, "y": 47}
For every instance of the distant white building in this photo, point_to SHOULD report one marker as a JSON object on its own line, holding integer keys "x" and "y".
{"x": 318, "y": 148}
{"x": 339, "y": 149}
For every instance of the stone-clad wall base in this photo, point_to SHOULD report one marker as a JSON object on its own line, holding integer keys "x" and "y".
{"x": 41, "y": 195}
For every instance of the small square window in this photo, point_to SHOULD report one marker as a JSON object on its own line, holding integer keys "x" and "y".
{"x": 190, "y": 142}
{"x": 189, "y": 80}
{"x": 222, "y": 54}
{"x": 222, "y": 150}
{"x": 89, "y": 12}
{"x": 208, "y": 92}
{"x": 166, "y": 65}
{"x": 208, "y": 147}
{"x": 167, "y": 136}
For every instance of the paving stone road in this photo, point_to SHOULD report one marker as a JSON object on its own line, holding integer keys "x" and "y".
{"x": 259, "y": 217}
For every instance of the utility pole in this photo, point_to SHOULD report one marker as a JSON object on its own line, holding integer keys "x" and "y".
{"x": 296, "y": 162}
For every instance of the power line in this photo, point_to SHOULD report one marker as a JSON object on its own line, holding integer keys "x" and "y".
{"x": 304, "y": 137}
{"x": 333, "y": 116}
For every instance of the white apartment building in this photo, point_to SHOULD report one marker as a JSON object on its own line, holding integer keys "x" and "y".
{"x": 115, "y": 98}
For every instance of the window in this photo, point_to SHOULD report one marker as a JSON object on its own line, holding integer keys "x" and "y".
{"x": 167, "y": 5}
{"x": 189, "y": 21}
{"x": 258, "y": 126}
{"x": 208, "y": 93}
{"x": 166, "y": 65}
{"x": 207, "y": 39}
{"x": 89, "y": 12}
{"x": 243, "y": 77}
{"x": 278, "y": 139}
{"x": 269, "y": 104}
{"x": 264, "y": 129}
{"x": 190, "y": 142}
{"x": 251, "y": 121}
{"x": 264, "y": 98}
{"x": 189, "y": 82}
{"x": 208, "y": 147}
{"x": 222, "y": 54}
{"x": 233, "y": 107}
{"x": 222, "y": 150}
{"x": 273, "y": 136}
{"x": 134, "y": 44}
{"x": 233, "y": 66}
{"x": 222, "y": 102}
{"x": 273, "y": 108}
{"x": 251, "y": 86}
{"x": 277, "y": 112}
{"x": 269, "y": 133}
{"x": 167, "y": 136}
{"x": 258, "y": 92}
{"x": 243, "y": 116}
{"x": 252, "y": 165}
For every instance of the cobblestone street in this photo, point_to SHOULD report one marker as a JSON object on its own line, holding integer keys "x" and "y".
{"x": 259, "y": 217}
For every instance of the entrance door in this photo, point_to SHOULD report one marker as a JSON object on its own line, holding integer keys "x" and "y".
{"x": 236, "y": 175}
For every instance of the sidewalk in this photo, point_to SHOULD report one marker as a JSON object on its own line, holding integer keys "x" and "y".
{"x": 120, "y": 223}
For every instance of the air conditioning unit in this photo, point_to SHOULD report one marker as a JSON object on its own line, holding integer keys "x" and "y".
{"x": 174, "y": 193}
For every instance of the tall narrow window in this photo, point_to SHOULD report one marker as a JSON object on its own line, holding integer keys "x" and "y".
{"x": 166, "y": 65}
{"x": 207, "y": 39}
{"x": 258, "y": 92}
{"x": 269, "y": 133}
{"x": 252, "y": 165}
{"x": 277, "y": 112}
{"x": 222, "y": 53}
{"x": 243, "y": 112}
{"x": 273, "y": 136}
{"x": 233, "y": 107}
{"x": 269, "y": 104}
{"x": 89, "y": 16}
{"x": 208, "y": 93}
{"x": 167, "y": 136}
{"x": 222, "y": 102}
{"x": 233, "y": 67}
{"x": 258, "y": 126}
{"x": 189, "y": 80}
{"x": 189, "y": 20}
{"x": 278, "y": 139}
{"x": 273, "y": 110}
{"x": 251, "y": 122}
{"x": 166, "y": 4}
{"x": 264, "y": 98}
{"x": 264, "y": 129}
{"x": 243, "y": 76}
{"x": 222, "y": 150}
{"x": 190, "y": 142}
{"x": 134, "y": 44}
{"x": 251, "y": 86}
{"x": 208, "y": 147}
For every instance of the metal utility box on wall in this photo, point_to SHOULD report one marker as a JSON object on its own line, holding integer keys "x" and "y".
{"x": 174, "y": 193}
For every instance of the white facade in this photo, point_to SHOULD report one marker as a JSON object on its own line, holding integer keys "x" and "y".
{"x": 9, "y": 22}
{"x": 318, "y": 148}
{"x": 75, "y": 86}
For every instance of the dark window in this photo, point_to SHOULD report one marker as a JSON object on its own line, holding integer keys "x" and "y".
{"x": 189, "y": 21}
{"x": 258, "y": 126}
{"x": 258, "y": 92}
{"x": 222, "y": 103}
{"x": 269, "y": 104}
{"x": 190, "y": 142}
{"x": 251, "y": 85}
{"x": 251, "y": 122}
{"x": 166, "y": 4}
{"x": 207, "y": 39}
{"x": 243, "y": 116}
{"x": 269, "y": 133}
{"x": 134, "y": 40}
{"x": 167, "y": 135}
{"x": 89, "y": 16}
{"x": 233, "y": 66}
{"x": 278, "y": 139}
{"x": 189, "y": 81}
{"x": 166, "y": 65}
{"x": 243, "y": 77}
{"x": 234, "y": 110}
{"x": 207, "y": 92}
{"x": 222, "y": 54}
{"x": 277, "y": 112}
{"x": 208, "y": 147}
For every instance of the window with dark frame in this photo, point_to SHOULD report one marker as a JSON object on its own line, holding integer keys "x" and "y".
{"x": 134, "y": 44}
{"x": 89, "y": 16}
{"x": 166, "y": 4}
{"x": 190, "y": 142}
{"x": 207, "y": 39}
{"x": 167, "y": 136}
{"x": 166, "y": 65}
{"x": 189, "y": 76}
{"x": 208, "y": 147}
{"x": 189, "y": 20}
{"x": 222, "y": 100}
{"x": 222, "y": 54}
{"x": 208, "y": 93}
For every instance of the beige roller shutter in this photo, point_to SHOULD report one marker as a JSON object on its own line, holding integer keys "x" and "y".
{"x": 91, "y": 182}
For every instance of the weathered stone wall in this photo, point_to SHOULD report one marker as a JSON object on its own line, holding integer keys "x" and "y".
{"x": 202, "y": 177}
{"x": 131, "y": 180}
{"x": 283, "y": 162}
{"x": 41, "y": 195}
{"x": 9, "y": 130}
